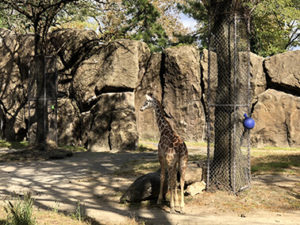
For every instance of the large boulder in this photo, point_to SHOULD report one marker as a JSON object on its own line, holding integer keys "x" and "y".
{"x": 144, "y": 188}
{"x": 182, "y": 91}
{"x": 116, "y": 67}
{"x": 71, "y": 45}
{"x": 68, "y": 122}
{"x": 15, "y": 54}
{"x": 150, "y": 82}
{"x": 258, "y": 79}
{"x": 277, "y": 120}
{"x": 147, "y": 186}
{"x": 284, "y": 70}
{"x": 111, "y": 123}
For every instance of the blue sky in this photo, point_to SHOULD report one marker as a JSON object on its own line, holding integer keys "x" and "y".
{"x": 188, "y": 21}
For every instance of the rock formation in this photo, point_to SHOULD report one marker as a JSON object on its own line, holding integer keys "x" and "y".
{"x": 283, "y": 70}
{"x": 102, "y": 86}
{"x": 182, "y": 91}
{"x": 146, "y": 187}
{"x": 277, "y": 116}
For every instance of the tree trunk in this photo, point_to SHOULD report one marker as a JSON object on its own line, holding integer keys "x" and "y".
{"x": 38, "y": 72}
{"x": 227, "y": 169}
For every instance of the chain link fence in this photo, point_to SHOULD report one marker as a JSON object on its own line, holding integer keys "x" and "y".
{"x": 228, "y": 99}
{"x": 46, "y": 94}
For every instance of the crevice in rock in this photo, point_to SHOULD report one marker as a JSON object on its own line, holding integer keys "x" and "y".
{"x": 202, "y": 86}
{"x": 109, "y": 133}
{"x": 280, "y": 87}
{"x": 253, "y": 106}
{"x": 162, "y": 74}
{"x": 288, "y": 136}
{"x": 112, "y": 89}
{"x": 147, "y": 65}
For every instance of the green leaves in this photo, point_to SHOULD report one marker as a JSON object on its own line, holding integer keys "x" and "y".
{"x": 142, "y": 24}
{"x": 275, "y": 24}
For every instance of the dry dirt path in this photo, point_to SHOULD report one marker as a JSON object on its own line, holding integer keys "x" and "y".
{"x": 90, "y": 178}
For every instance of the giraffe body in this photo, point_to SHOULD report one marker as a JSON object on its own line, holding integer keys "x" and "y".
{"x": 172, "y": 155}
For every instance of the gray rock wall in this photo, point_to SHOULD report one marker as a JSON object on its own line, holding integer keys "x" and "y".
{"x": 102, "y": 87}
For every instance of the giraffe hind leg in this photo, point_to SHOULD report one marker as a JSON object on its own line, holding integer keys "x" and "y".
{"x": 172, "y": 187}
{"x": 182, "y": 169}
{"x": 176, "y": 193}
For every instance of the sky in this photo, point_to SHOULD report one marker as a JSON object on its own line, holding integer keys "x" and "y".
{"x": 188, "y": 21}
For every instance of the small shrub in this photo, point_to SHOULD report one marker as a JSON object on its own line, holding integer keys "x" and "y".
{"x": 20, "y": 213}
{"x": 78, "y": 214}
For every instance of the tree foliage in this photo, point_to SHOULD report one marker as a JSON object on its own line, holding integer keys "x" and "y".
{"x": 142, "y": 24}
{"x": 275, "y": 25}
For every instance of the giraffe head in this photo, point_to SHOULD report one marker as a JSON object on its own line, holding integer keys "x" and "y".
{"x": 149, "y": 103}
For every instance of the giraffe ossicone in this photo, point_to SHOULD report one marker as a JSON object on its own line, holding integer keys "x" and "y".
{"x": 172, "y": 154}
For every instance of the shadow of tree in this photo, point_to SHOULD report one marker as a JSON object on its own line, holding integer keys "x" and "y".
{"x": 87, "y": 178}
{"x": 279, "y": 172}
{"x": 275, "y": 163}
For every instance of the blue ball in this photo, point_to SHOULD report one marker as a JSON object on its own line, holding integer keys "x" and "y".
{"x": 249, "y": 123}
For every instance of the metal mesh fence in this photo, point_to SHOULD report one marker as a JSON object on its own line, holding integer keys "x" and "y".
{"x": 229, "y": 97}
{"x": 46, "y": 95}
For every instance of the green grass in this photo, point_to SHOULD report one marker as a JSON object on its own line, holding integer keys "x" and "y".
{"x": 277, "y": 148}
{"x": 20, "y": 212}
{"x": 144, "y": 148}
{"x": 73, "y": 148}
{"x": 13, "y": 144}
{"x": 137, "y": 167}
{"x": 282, "y": 163}
{"x": 4, "y": 144}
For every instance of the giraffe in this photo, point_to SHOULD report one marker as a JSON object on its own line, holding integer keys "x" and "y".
{"x": 172, "y": 154}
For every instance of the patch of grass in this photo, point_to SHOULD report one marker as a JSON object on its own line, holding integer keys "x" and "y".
{"x": 4, "y": 144}
{"x": 19, "y": 145}
{"x": 32, "y": 154}
{"x": 20, "y": 212}
{"x": 258, "y": 197}
{"x": 278, "y": 148}
{"x": 78, "y": 214}
{"x": 14, "y": 144}
{"x": 137, "y": 167}
{"x": 141, "y": 166}
{"x": 144, "y": 148}
{"x": 197, "y": 157}
{"x": 49, "y": 217}
{"x": 73, "y": 148}
{"x": 195, "y": 144}
{"x": 276, "y": 164}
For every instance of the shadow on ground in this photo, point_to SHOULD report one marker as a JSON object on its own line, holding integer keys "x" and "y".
{"x": 86, "y": 178}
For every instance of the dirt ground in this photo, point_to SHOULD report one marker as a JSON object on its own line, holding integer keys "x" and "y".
{"x": 90, "y": 179}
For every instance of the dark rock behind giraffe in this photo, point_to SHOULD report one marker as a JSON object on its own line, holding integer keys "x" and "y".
{"x": 146, "y": 187}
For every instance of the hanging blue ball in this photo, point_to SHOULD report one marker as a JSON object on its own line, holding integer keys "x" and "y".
{"x": 249, "y": 123}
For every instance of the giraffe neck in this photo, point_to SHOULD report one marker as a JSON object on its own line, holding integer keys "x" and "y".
{"x": 163, "y": 124}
